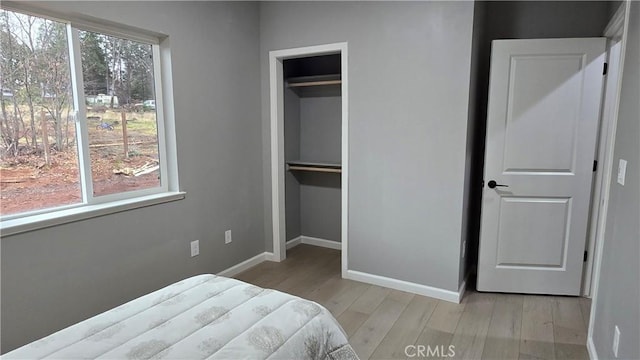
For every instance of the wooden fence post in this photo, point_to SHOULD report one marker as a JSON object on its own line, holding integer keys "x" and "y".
{"x": 45, "y": 137}
{"x": 125, "y": 138}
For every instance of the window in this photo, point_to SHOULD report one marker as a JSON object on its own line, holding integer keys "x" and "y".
{"x": 81, "y": 119}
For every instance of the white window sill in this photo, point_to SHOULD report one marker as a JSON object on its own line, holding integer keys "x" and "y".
{"x": 41, "y": 221}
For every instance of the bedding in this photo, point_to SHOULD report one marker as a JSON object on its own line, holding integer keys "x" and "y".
{"x": 202, "y": 317}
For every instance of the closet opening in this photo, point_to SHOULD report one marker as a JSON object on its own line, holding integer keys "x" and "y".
{"x": 309, "y": 151}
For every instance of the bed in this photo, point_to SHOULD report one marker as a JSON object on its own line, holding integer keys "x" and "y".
{"x": 202, "y": 317}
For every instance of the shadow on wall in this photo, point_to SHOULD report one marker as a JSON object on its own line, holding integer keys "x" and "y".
{"x": 330, "y": 180}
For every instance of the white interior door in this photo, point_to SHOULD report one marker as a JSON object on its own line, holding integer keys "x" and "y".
{"x": 542, "y": 121}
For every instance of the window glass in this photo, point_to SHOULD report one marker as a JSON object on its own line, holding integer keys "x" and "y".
{"x": 38, "y": 150}
{"x": 120, "y": 97}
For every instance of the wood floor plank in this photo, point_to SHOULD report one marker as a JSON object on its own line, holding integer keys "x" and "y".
{"x": 568, "y": 323}
{"x": 471, "y": 332}
{"x": 339, "y": 302}
{"x": 367, "y": 338}
{"x": 536, "y": 335}
{"x": 330, "y": 287}
{"x": 585, "y": 307}
{"x": 503, "y": 337}
{"x": 446, "y": 316}
{"x": 406, "y": 329}
{"x": 297, "y": 279}
{"x": 571, "y": 352}
{"x": 438, "y": 332}
{"x": 351, "y": 320}
{"x": 314, "y": 280}
{"x": 381, "y": 327}
{"x": 370, "y": 299}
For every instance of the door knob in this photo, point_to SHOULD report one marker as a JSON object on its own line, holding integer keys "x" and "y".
{"x": 493, "y": 184}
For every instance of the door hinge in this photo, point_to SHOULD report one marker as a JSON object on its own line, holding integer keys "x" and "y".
{"x": 605, "y": 67}
{"x": 586, "y": 256}
{"x": 595, "y": 165}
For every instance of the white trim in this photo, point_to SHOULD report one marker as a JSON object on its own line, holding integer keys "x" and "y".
{"x": 245, "y": 265}
{"x": 344, "y": 56}
{"x": 604, "y": 152}
{"x": 294, "y": 242}
{"x": 591, "y": 349}
{"x": 424, "y": 290}
{"x": 614, "y": 28}
{"x": 276, "y": 103}
{"x": 161, "y": 134}
{"x": 321, "y": 242}
{"x": 67, "y": 215}
{"x": 166, "y": 106}
{"x": 270, "y": 256}
{"x": 331, "y": 244}
{"x": 613, "y": 31}
{"x": 602, "y": 216}
{"x": 277, "y": 155}
{"x": 82, "y": 133}
{"x": 84, "y": 22}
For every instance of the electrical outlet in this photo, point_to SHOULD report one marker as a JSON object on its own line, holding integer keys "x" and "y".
{"x": 195, "y": 248}
{"x": 464, "y": 248}
{"x": 227, "y": 237}
{"x": 622, "y": 171}
{"x": 616, "y": 341}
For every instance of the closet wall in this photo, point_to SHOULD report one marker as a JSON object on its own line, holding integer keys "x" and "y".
{"x": 313, "y": 121}
{"x": 408, "y": 110}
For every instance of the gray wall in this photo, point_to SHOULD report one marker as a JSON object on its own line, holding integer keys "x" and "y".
{"x": 55, "y": 277}
{"x": 618, "y": 296}
{"x": 320, "y": 140}
{"x": 313, "y": 133}
{"x": 292, "y": 152}
{"x": 321, "y": 128}
{"x": 320, "y": 201}
{"x": 408, "y": 98}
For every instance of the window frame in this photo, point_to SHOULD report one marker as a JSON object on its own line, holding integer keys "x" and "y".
{"x": 92, "y": 205}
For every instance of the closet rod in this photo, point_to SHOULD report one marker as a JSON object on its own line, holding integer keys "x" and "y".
{"x": 315, "y": 83}
{"x": 312, "y": 168}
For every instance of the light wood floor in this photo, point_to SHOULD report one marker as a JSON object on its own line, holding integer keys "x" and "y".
{"x": 381, "y": 322}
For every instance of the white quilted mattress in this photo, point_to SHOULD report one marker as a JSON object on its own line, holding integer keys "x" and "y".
{"x": 203, "y": 317}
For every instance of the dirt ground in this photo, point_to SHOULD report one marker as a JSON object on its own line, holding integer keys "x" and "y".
{"x": 30, "y": 185}
{"x": 27, "y": 183}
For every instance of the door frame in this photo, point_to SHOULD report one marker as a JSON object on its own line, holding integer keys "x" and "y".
{"x": 276, "y": 103}
{"x": 617, "y": 27}
{"x": 615, "y": 30}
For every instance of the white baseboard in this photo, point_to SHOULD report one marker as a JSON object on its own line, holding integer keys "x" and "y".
{"x": 247, "y": 264}
{"x": 269, "y": 256}
{"x": 294, "y": 242}
{"x": 314, "y": 241}
{"x": 591, "y": 348}
{"x": 402, "y": 285}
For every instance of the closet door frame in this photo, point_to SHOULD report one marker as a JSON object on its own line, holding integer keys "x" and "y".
{"x": 276, "y": 103}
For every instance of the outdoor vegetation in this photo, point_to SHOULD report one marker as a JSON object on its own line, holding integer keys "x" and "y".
{"x": 39, "y": 165}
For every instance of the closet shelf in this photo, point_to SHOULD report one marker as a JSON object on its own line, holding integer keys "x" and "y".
{"x": 314, "y": 166}
{"x": 318, "y": 80}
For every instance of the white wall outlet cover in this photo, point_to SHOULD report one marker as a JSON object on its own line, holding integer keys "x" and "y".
{"x": 227, "y": 237}
{"x": 195, "y": 248}
{"x": 622, "y": 171}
